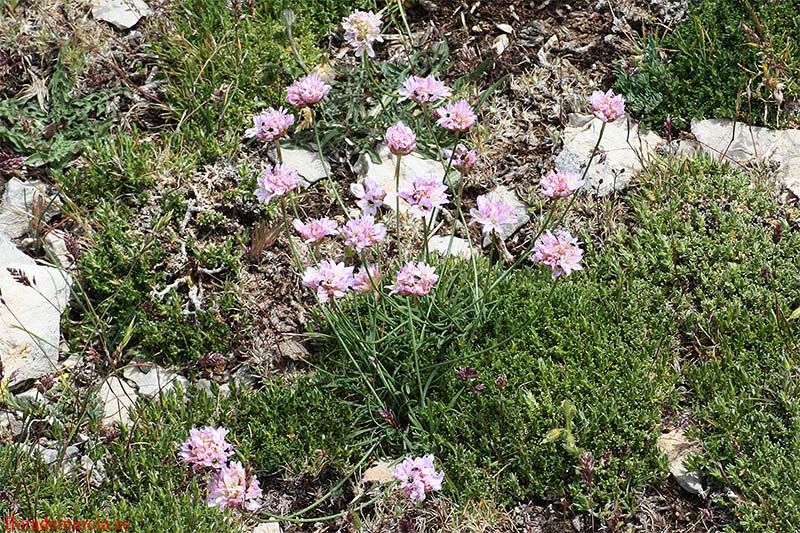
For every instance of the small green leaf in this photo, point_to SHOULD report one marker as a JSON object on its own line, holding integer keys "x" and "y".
{"x": 552, "y": 435}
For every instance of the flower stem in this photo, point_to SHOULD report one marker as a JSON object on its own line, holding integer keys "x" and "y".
{"x": 326, "y": 167}
{"x": 397, "y": 200}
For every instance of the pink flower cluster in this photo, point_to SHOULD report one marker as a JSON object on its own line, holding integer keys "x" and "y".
{"x": 361, "y": 233}
{"x": 370, "y": 195}
{"x": 206, "y": 448}
{"x": 315, "y": 229}
{"x": 418, "y": 476}
{"x": 361, "y": 30}
{"x": 414, "y": 279}
{"x": 463, "y": 159}
{"x": 277, "y": 181}
{"x": 307, "y": 91}
{"x": 401, "y": 139}
{"x": 493, "y": 213}
{"x": 560, "y": 184}
{"x": 367, "y": 279}
{"x": 329, "y": 279}
{"x": 560, "y": 252}
{"x": 424, "y": 194}
{"x": 270, "y": 125}
{"x": 425, "y": 90}
{"x": 606, "y": 106}
{"x": 458, "y": 116}
{"x": 232, "y": 487}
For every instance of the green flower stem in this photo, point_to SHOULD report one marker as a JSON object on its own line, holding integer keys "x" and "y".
{"x": 397, "y": 201}
{"x": 285, "y": 216}
{"x": 326, "y": 167}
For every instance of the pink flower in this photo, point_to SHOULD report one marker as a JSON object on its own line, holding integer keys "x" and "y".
{"x": 231, "y": 487}
{"x": 206, "y": 447}
{"x": 363, "y": 232}
{"x": 418, "y": 476}
{"x": 370, "y": 195}
{"x": 456, "y": 117}
{"x": 270, "y": 125}
{"x": 367, "y": 279}
{"x": 492, "y": 213}
{"x": 414, "y": 279}
{"x": 424, "y": 90}
{"x": 606, "y": 106}
{"x": 308, "y": 90}
{"x": 329, "y": 279}
{"x": 424, "y": 194}
{"x": 277, "y": 181}
{"x": 463, "y": 159}
{"x": 401, "y": 139}
{"x": 361, "y": 30}
{"x": 560, "y": 184}
{"x": 559, "y": 252}
{"x": 315, "y": 229}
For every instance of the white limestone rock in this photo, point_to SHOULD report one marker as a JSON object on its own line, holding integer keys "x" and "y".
{"x": 677, "y": 447}
{"x": 117, "y": 397}
{"x": 621, "y": 153}
{"x": 741, "y": 143}
{"x": 307, "y": 163}
{"x": 442, "y": 245}
{"x": 16, "y": 208}
{"x": 122, "y": 14}
{"x": 151, "y": 380}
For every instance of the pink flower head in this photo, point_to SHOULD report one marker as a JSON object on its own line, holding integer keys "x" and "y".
{"x": 277, "y": 181}
{"x": 231, "y": 487}
{"x": 329, "y": 279}
{"x": 463, "y": 159}
{"x": 308, "y": 90}
{"x": 414, "y": 279}
{"x": 206, "y": 447}
{"x": 418, "y": 476}
{"x": 401, "y": 139}
{"x": 315, "y": 229}
{"x": 363, "y": 232}
{"x": 456, "y": 117}
{"x": 424, "y": 90}
{"x": 270, "y": 125}
{"x": 606, "y": 106}
{"x": 559, "y": 184}
{"x": 424, "y": 194}
{"x": 367, "y": 279}
{"x": 370, "y": 195}
{"x": 559, "y": 252}
{"x": 361, "y": 30}
{"x": 492, "y": 213}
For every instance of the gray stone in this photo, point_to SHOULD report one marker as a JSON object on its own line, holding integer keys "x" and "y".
{"x": 151, "y": 380}
{"x": 620, "y": 156}
{"x": 443, "y": 246}
{"x": 741, "y": 143}
{"x": 521, "y": 216}
{"x": 16, "y": 209}
{"x": 678, "y": 448}
{"x": 383, "y": 172}
{"x": 32, "y": 298}
{"x": 117, "y": 398}
{"x": 122, "y": 14}
{"x": 267, "y": 527}
{"x": 56, "y": 248}
{"x": 307, "y": 163}
{"x": 11, "y": 255}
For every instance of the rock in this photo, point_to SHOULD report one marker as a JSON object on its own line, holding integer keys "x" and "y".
{"x": 293, "y": 349}
{"x": 380, "y": 472}
{"x": 17, "y": 208}
{"x": 95, "y": 471}
{"x": 458, "y": 248}
{"x": 122, "y": 14}
{"x": 117, "y": 398}
{"x": 620, "y": 155}
{"x": 151, "y": 380}
{"x": 11, "y": 424}
{"x": 678, "y": 448}
{"x": 742, "y": 144}
{"x": 267, "y": 527}
{"x": 520, "y": 212}
{"x": 56, "y": 248}
{"x": 32, "y": 298}
{"x": 383, "y": 172}
{"x": 307, "y": 163}
{"x": 11, "y": 255}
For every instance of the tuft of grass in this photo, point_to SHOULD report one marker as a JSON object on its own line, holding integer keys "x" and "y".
{"x": 729, "y": 59}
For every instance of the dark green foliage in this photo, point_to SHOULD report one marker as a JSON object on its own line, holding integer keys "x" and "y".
{"x": 706, "y": 66}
